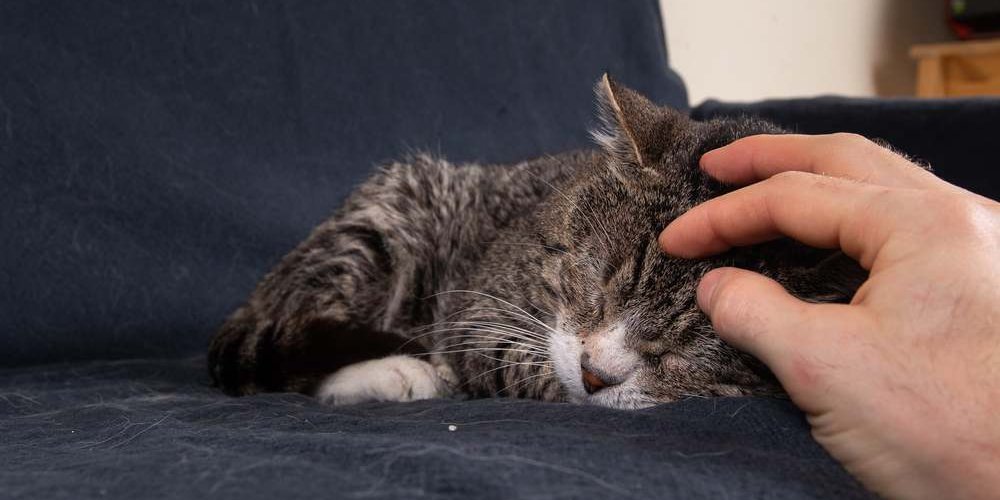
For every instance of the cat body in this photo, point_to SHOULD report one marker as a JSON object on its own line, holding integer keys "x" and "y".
{"x": 539, "y": 280}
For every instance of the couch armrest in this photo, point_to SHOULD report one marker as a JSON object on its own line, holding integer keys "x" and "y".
{"x": 960, "y": 138}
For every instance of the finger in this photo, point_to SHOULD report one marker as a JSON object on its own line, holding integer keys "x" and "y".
{"x": 819, "y": 211}
{"x": 795, "y": 339}
{"x": 849, "y": 156}
{"x": 751, "y": 312}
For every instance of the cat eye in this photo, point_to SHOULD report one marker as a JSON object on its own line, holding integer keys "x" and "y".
{"x": 554, "y": 248}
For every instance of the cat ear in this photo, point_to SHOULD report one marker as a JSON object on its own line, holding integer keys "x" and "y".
{"x": 634, "y": 129}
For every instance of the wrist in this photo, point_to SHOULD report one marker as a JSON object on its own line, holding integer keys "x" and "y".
{"x": 963, "y": 463}
{"x": 974, "y": 472}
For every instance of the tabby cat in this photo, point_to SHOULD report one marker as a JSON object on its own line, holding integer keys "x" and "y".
{"x": 536, "y": 280}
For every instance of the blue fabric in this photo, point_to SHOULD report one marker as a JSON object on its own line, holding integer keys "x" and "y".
{"x": 158, "y": 157}
{"x": 153, "y": 429}
{"x": 957, "y": 137}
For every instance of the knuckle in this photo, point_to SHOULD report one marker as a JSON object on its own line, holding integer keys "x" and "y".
{"x": 879, "y": 200}
{"x": 955, "y": 213}
{"x": 798, "y": 180}
{"x": 851, "y": 140}
{"x": 791, "y": 177}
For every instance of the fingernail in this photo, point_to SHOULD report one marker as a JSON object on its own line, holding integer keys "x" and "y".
{"x": 710, "y": 159}
{"x": 706, "y": 289}
{"x": 662, "y": 238}
{"x": 706, "y": 159}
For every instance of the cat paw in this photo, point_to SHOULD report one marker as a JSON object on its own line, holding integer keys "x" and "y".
{"x": 395, "y": 378}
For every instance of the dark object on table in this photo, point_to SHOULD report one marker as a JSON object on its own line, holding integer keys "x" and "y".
{"x": 157, "y": 157}
{"x": 974, "y": 18}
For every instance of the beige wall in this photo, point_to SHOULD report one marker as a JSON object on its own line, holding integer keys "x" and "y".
{"x": 755, "y": 49}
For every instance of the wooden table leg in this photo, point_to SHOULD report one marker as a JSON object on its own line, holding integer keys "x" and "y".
{"x": 930, "y": 77}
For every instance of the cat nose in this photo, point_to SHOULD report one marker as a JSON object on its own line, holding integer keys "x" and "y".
{"x": 593, "y": 379}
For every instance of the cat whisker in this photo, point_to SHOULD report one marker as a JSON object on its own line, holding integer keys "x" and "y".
{"x": 523, "y": 380}
{"x": 536, "y": 349}
{"x": 502, "y": 301}
{"x": 503, "y": 331}
{"x": 692, "y": 395}
{"x": 496, "y": 340}
{"x": 535, "y": 306}
{"x": 479, "y": 350}
{"x": 508, "y": 312}
{"x": 511, "y": 313}
{"x": 502, "y": 336}
{"x": 546, "y": 247}
{"x": 505, "y": 363}
{"x": 464, "y": 311}
{"x": 497, "y": 326}
{"x": 509, "y": 364}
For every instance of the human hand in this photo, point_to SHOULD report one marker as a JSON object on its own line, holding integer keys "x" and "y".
{"x": 902, "y": 385}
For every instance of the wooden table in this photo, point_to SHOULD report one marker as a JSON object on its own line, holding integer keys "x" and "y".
{"x": 958, "y": 68}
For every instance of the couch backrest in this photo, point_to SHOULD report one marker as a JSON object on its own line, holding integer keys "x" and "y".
{"x": 156, "y": 158}
{"x": 956, "y": 136}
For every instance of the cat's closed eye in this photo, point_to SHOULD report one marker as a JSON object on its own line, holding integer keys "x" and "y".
{"x": 554, "y": 248}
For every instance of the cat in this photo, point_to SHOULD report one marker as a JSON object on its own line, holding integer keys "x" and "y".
{"x": 539, "y": 280}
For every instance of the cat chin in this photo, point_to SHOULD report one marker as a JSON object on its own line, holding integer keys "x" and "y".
{"x": 621, "y": 397}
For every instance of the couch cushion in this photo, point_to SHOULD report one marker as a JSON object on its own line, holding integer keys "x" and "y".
{"x": 154, "y": 429}
{"x": 156, "y": 158}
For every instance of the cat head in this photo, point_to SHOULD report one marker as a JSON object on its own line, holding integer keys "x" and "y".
{"x": 628, "y": 331}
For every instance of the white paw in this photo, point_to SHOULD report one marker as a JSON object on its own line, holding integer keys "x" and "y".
{"x": 395, "y": 378}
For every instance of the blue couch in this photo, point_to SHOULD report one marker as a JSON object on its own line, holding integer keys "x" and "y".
{"x": 156, "y": 158}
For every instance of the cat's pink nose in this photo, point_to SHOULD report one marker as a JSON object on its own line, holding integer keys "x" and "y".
{"x": 591, "y": 382}
{"x": 597, "y": 377}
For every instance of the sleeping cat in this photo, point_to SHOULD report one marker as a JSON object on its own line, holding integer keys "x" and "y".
{"x": 537, "y": 280}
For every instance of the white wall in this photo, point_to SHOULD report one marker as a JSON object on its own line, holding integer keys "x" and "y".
{"x": 741, "y": 50}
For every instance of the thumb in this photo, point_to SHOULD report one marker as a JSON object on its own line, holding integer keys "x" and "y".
{"x": 753, "y": 313}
